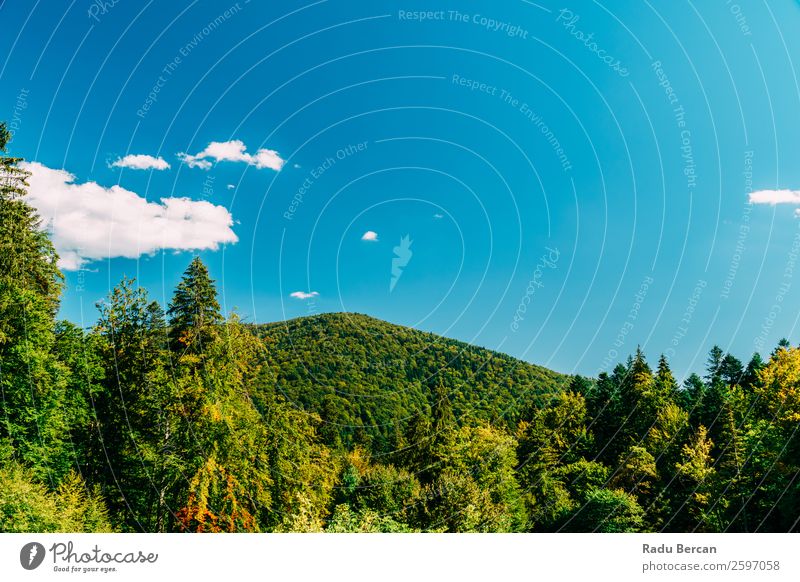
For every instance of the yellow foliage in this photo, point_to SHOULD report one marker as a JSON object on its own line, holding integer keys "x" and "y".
{"x": 780, "y": 390}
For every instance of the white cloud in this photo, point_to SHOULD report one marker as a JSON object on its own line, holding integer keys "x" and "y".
{"x": 370, "y": 236}
{"x": 89, "y": 222}
{"x": 438, "y": 216}
{"x": 303, "y": 295}
{"x": 231, "y": 186}
{"x": 775, "y": 197}
{"x": 232, "y": 151}
{"x": 141, "y": 162}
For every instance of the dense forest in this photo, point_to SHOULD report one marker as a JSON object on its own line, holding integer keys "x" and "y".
{"x": 184, "y": 419}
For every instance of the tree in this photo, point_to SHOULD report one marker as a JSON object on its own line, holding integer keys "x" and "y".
{"x": 751, "y": 378}
{"x": 639, "y": 401}
{"x": 217, "y": 502}
{"x": 607, "y": 511}
{"x": 695, "y": 475}
{"x": 345, "y": 520}
{"x": 780, "y": 392}
{"x": 489, "y": 457}
{"x": 194, "y": 310}
{"x": 32, "y": 380}
{"x": 693, "y": 396}
{"x": 731, "y": 370}
{"x": 28, "y": 505}
{"x": 144, "y": 414}
{"x": 384, "y": 489}
{"x": 581, "y": 385}
{"x": 636, "y": 471}
{"x": 714, "y": 364}
{"x": 604, "y": 408}
{"x": 554, "y": 437}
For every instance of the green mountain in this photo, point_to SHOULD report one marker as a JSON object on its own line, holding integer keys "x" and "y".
{"x": 367, "y": 379}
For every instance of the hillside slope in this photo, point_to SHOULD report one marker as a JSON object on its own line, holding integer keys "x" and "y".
{"x": 368, "y": 379}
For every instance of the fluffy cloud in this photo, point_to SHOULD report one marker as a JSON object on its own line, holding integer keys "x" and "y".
{"x": 141, "y": 162}
{"x": 232, "y": 151}
{"x": 370, "y": 236}
{"x": 89, "y": 222}
{"x": 303, "y": 295}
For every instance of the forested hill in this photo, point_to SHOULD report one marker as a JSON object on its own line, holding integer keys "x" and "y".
{"x": 367, "y": 378}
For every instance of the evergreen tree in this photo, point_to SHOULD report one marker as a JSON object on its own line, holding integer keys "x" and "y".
{"x": 194, "y": 310}
{"x": 32, "y": 380}
{"x": 731, "y": 370}
{"x": 665, "y": 389}
{"x": 693, "y": 397}
{"x": 604, "y": 409}
{"x": 714, "y": 363}
{"x": 716, "y": 392}
{"x": 638, "y": 403}
{"x": 750, "y": 379}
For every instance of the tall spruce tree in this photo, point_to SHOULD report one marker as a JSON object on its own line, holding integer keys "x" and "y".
{"x": 194, "y": 309}
{"x": 32, "y": 380}
{"x": 750, "y": 379}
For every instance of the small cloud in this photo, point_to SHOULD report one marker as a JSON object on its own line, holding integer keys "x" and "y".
{"x": 297, "y": 166}
{"x": 775, "y": 197}
{"x": 370, "y": 236}
{"x": 302, "y": 295}
{"x": 231, "y": 186}
{"x": 438, "y": 216}
{"x": 141, "y": 162}
{"x": 232, "y": 151}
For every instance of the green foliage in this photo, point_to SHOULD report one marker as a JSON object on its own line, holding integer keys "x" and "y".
{"x": 32, "y": 380}
{"x": 607, "y": 511}
{"x": 370, "y": 380}
{"x": 345, "y": 520}
{"x": 27, "y": 505}
{"x": 194, "y": 310}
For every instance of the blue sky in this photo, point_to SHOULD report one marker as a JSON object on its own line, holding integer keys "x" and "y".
{"x": 575, "y": 178}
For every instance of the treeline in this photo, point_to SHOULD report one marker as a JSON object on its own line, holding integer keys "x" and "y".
{"x": 186, "y": 420}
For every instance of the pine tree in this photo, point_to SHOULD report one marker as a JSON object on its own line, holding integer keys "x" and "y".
{"x": 194, "y": 310}
{"x": 441, "y": 410}
{"x": 714, "y": 363}
{"x": 32, "y": 380}
{"x": 581, "y": 385}
{"x": 731, "y": 370}
{"x": 604, "y": 408}
{"x": 665, "y": 389}
{"x": 434, "y": 448}
{"x": 637, "y": 403}
{"x": 716, "y": 392}
{"x": 751, "y": 379}
{"x": 730, "y": 455}
{"x": 693, "y": 396}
